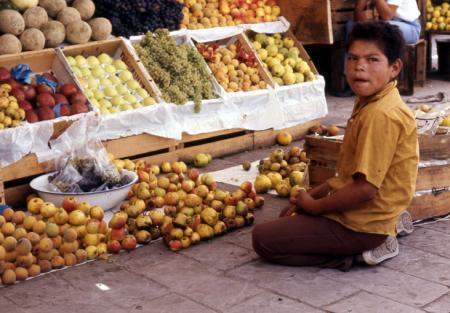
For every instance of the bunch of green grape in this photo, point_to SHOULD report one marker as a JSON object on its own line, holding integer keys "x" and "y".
{"x": 178, "y": 70}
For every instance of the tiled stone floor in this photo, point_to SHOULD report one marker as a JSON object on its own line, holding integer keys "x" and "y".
{"x": 225, "y": 275}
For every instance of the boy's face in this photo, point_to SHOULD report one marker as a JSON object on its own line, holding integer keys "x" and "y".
{"x": 368, "y": 69}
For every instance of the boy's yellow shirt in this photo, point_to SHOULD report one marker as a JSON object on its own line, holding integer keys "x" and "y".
{"x": 380, "y": 142}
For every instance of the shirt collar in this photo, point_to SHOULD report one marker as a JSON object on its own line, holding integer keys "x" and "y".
{"x": 359, "y": 104}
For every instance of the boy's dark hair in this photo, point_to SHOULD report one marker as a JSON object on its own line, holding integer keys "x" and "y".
{"x": 387, "y": 37}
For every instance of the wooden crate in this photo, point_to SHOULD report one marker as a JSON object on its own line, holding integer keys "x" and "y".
{"x": 249, "y": 34}
{"x": 42, "y": 61}
{"x": 432, "y": 185}
{"x": 246, "y": 45}
{"x": 117, "y": 49}
{"x": 149, "y": 148}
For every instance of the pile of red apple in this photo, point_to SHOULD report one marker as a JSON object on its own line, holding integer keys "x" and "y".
{"x": 40, "y": 102}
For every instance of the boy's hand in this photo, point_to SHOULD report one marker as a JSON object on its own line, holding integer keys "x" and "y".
{"x": 288, "y": 211}
{"x": 303, "y": 201}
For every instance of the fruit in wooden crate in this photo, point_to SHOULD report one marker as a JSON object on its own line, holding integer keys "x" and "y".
{"x": 234, "y": 67}
{"x": 282, "y": 59}
{"x": 109, "y": 84}
{"x": 213, "y": 13}
{"x": 438, "y": 16}
{"x": 178, "y": 70}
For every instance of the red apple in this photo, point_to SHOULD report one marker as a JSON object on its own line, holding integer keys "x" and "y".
{"x": 46, "y": 113}
{"x": 18, "y": 94}
{"x": 24, "y": 104}
{"x": 60, "y": 98}
{"x": 78, "y": 96}
{"x": 68, "y": 89}
{"x": 13, "y": 83}
{"x": 43, "y": 88}
{"x": 31, "y": 116}
{"x": 78, "y": 107}
{"x": 129, "y": 243}
{"x": 114, "y": 246}
{"x": 30, "y": 92}
{"x": 69, "y": 204}
{"x": 117, "y": 234}
{"x": 4, "y": 74}
{"x": 45, "y": 100}
{"x": 65, "y": 110}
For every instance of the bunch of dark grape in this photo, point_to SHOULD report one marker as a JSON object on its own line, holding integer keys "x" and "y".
{"x": 134, "y": 17}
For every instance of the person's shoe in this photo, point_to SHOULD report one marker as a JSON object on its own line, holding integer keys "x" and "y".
{"x": 386, "y": 250}
{"x": 404, "y": 224}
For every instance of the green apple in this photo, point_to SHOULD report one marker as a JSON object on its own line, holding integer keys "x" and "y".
{"x": 92, "y": 61}
{"x": 104, "y": 58}
{"x": 110, "y": 91}
{"x": 121, "y": 89}
{"x": 126, "y": 107}
{"x": 71, "y": 61}
{"x": 137, "y": 105}
{"x": 130, "y": 98}
{"x": 88, "y": 93}
{"x": 142, "y": 92}
{"x": 148, "y": 101}
{"x": 117, "y": 100}
{"x": 110, "y": 69}
{"x": 114, "y": 110}
{"x": 85, "y": 72}
{"x": 98, "y": 71}
{"x": 98, "y": 94}
{"x": 81, "y": 61}
{"x": 92, "y": 82}
{"x": 105, "y": 82}
{"x": 114, "y": 80}
{"x": 105, "y": 103}
{"x": 125, "y": 76}
{"x": 120, "y": 65}
{"x": 133, "y": 84}
{"x": 76, "y": 70}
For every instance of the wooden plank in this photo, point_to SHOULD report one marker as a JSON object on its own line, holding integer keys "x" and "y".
{"x": 266, "y": 138}
{"x": 138, "y": 144}
{"x": 421, "y": 63}
{"x": 434, "y": 147}
{"x": 218, "y": 148}
{"x": 2, "y": 189}
{"x": 189, "y": 138}
{"x": 342, "y": 5}
{"x": 430, "y": 205}
{"x": 16, "y": 196}
{"x": 27, "y": 166}
{"x": 433, "y": 177}
{"x": 310, "y": 20}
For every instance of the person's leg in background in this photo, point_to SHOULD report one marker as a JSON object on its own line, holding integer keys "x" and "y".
{"x": 304, "y": 240}
{"x": 410, "y": 30}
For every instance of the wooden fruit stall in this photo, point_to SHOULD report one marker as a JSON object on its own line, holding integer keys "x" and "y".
{"x": 433, "y": 181}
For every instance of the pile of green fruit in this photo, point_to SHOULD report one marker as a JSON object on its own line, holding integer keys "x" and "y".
{"x": 178, "y": 70}
{"x": 282, "y": 58}
{"x": 282, "y": 171}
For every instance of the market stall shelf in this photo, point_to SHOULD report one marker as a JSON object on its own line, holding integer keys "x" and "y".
{"x": 433, "y": 180}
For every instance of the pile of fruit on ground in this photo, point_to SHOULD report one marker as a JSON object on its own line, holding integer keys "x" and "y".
{"x": 32, "y": 27}
{"x": 169, "y": 200}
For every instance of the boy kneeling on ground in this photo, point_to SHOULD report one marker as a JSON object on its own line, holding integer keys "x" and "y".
{"x": 357, "y": 214}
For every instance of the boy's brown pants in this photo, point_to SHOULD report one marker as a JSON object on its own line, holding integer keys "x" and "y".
{"x": 305, "y": 240}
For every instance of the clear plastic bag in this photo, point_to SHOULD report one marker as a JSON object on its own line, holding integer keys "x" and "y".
{"x": 82, "y": 162}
